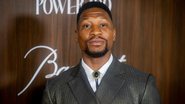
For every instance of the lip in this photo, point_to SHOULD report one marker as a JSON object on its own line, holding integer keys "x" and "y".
{"x": 96, "y": 42}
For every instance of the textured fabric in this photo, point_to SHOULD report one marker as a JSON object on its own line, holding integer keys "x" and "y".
{"x": 122, "y": 84}
{"x": 102, "y": 70}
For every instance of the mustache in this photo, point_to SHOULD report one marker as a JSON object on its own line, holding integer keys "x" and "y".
{"x": 96, "y": 37}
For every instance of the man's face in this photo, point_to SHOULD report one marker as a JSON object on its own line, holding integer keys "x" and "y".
{"x": 95, "y": 32}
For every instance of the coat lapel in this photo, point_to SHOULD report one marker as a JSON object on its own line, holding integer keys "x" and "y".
{"x": 81, "y": 90}
{"x": 111, "y": 83}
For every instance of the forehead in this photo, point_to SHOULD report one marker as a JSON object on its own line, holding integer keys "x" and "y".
{"x": 94, "y": 12}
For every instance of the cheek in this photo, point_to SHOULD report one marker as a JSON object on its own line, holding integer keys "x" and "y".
{"x": 83, "y": 34}
{"x": 110, "y": 38}
{"x": 109, "y": 35}
{"x": 82, "y": 41}
{"x": 82, "y": 38}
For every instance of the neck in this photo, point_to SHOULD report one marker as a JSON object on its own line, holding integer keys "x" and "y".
{"x": 96, "y": 63}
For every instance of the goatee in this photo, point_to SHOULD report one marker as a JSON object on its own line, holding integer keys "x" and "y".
{"x": 96, "y": 54}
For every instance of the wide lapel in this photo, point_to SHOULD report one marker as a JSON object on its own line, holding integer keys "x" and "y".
{"x": 81, "y": 90}
{"x": 111, "y": 83}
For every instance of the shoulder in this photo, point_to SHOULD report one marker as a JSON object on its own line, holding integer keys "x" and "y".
{"x": 58, "y": 85}
{"x": 132, "y": 72}
{"x": 135, "y": 76}
{"x": 138, "y": 82}
{"x": 62, "y": 79}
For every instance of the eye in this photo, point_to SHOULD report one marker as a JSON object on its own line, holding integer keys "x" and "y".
{"x": 102, "y": 25}
{"x": 86, "y": 26}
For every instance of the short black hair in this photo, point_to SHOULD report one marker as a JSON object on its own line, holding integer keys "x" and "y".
{"x": 93, "y": 4}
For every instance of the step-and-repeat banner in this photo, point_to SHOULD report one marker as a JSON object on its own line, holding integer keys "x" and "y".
{"x": 38, "y": 42}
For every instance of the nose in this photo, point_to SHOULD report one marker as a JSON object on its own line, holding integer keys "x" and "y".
{"x": 95, "y": 31}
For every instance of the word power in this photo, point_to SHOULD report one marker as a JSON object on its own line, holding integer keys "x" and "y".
{"x": 63, "y": 6}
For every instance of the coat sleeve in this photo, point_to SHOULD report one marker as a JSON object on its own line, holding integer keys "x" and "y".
{"x": 46, "y": 96}
{"x": 151, "y": 94}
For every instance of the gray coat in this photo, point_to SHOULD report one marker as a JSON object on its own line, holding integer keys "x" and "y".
{"x": 122, "y": 84}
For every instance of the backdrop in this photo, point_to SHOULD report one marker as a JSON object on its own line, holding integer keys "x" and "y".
{"x": 151, "y": 33}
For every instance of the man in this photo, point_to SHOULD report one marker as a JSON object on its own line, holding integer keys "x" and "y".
{"x": 99, "y": 78}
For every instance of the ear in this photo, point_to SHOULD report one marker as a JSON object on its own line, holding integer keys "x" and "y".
{"x": 114, "y": 34}
{"x": 76, "y": 36}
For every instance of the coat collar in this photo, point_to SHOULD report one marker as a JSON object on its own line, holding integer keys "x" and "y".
{"x": 81, "y": 88}
{"x": 109, "y": 86}
{"x": 111, "y": 83}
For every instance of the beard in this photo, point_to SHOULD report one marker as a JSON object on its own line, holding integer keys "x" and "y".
{"x": 97, "y": 54}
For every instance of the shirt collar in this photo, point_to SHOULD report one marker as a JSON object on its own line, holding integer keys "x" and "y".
{"x": 102, "y": 70}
